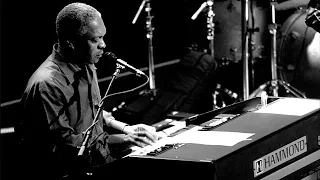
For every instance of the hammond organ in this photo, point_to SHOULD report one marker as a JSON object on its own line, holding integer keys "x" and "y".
{"x": 241, "y": 141}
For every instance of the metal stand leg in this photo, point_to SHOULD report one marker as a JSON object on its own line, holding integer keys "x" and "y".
{"x": 275, "y": 84}
{"x": 245, "y": 47}
{"x": 150, "y": 28}
{"x": 218, "y": 98}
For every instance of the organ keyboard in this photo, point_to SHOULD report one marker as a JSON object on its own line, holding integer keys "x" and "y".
{"x": 243, "y": 141}
{"x": 164, "y": 143}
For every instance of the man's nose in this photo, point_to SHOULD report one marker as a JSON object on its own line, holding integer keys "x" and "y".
{"x": 102, "y": 44}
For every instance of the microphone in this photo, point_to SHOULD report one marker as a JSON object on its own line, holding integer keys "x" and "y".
{"x": 123, "y": 63}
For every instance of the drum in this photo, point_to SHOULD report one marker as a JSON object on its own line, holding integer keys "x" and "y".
{"x": 299, "y": 55}
{"x": 228, "y": 30}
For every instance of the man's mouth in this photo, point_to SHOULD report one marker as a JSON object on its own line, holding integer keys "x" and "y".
{"x": 100, "y": 55}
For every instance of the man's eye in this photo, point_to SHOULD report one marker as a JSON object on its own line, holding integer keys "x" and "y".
{"x": 96, "y": 40}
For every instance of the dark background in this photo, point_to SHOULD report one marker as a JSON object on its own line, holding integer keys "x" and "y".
{"x": 28, "y": 33}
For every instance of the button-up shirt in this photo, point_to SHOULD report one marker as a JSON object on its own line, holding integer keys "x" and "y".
{"x": 59, "y": 104}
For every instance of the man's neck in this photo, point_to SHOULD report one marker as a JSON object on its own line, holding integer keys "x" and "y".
{"x": 68, "y": 54}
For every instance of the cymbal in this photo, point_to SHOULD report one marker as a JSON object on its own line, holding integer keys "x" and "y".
{"x": 291, "y": 4}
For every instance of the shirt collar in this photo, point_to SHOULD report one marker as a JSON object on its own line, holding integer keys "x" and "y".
{"x": 69, "y": 69}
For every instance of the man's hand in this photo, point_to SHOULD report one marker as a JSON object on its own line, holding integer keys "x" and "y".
{"x": 140, "y": 135}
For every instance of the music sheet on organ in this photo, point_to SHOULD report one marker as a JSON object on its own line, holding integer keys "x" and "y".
{"x": 291, "y": 106}
{"x": 286, "y": 106}
{"x": 223, "y": 138}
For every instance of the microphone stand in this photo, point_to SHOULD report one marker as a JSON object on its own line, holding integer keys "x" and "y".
{"x": 150, "y": 28}
{"x": 96, "y": 120}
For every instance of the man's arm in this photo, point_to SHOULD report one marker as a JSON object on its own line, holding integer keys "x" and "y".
{"x": 139, "y": 135}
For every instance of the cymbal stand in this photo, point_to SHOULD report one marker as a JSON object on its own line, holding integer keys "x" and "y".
{"x": 217, "y": 94}
{"x": 273, "y": 32}
{"x": 150, "y": 28}
{"x": 275, "y": 82}
{"x": 210, "y": 23}
{"x": 245, "y": 47}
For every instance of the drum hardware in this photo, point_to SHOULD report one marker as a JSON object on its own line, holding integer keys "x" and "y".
{"x": 298, "y": 54}
{"x": 313, "y": 18}
{"x": 245, "y": 47}
{"x": 221, "y": 96}
{"x": 210, "y": 37}
{"x": 226, "y": 61}
{"x": 275, "y": 82}
{"x": 252, "y": 47}
{"x": 216, "y": 95}
{"x": 210, "y": 23}
{"x": 289, "y": 89}
{"x": 291, "y": 4}
{"x": 150, "y": 28}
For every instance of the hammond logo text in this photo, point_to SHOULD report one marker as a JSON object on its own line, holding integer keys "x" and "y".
{"x": 279, "y": 156}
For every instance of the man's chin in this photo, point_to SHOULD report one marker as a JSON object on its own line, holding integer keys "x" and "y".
{"x": 95, "y": 60}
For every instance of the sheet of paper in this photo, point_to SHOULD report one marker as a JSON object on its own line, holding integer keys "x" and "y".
{"x": 195, "y": 136}
{"x": 222, "y": 138}
{"x": 291, "y": 106}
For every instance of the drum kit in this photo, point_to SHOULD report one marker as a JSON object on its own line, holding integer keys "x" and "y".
{"x": 295, "y": 60}
{"x": 248, "y": 31}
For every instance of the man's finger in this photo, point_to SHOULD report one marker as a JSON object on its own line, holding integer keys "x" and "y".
{"x": 153, "y": 136}
{"x": 145, "y": 137}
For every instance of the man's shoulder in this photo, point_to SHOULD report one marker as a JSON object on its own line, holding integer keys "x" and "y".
{"x": 48, "y": 73}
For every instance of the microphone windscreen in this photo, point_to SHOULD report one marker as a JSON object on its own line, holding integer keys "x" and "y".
{"x": 111, "y": 55}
